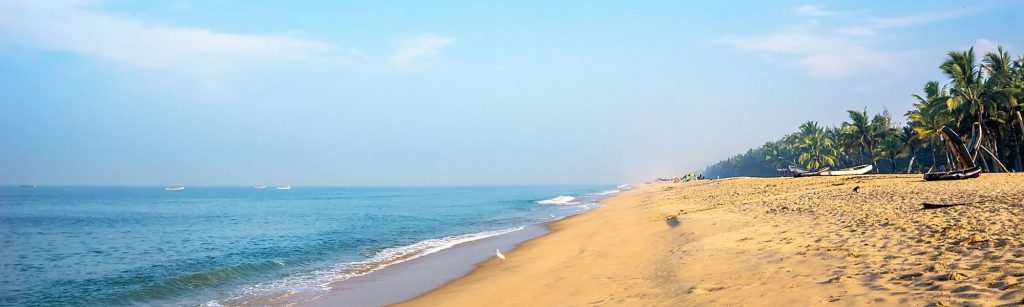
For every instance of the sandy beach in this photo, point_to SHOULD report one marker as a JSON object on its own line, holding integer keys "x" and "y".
{"x": 858, "y": 240}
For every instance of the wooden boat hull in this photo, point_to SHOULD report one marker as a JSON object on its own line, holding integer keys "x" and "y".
{"x": 973, "y": 172}
{"x": 957, "y": 147}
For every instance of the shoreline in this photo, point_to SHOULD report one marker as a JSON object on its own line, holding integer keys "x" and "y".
{"x": 849, "y": 240}
{"x": 408, "y": 280}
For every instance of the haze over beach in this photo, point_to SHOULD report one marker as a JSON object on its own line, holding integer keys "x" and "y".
{"x": 529, "y": 153}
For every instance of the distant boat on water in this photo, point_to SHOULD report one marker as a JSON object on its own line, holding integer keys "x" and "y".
{"x": 29, "y": 186}
{"x": 284, "y": 187}
{"x": 259, "y": 187}
{"x": 174, "y": 189}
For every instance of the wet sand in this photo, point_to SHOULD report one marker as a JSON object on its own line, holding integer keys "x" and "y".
{"x": 407, "y": 280}
{"x": 858, "y": 240}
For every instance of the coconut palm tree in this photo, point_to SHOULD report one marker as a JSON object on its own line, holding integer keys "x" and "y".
{"x": 859, "y": 133}
{"x": 777, "y": 154}
{"x": 840, "y": 141}
{"x": 1005, "y": 85}
{"x": 929, "y": 115}
{"x": 968, "y": 90}
{"x": 988, "y": 92}
{"x": 911, "y": 145}
{"x": 892, "y": 147}
{"x": 816, "y": 149}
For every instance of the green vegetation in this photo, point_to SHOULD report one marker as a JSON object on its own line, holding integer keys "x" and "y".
{"x": 986, "y": 96}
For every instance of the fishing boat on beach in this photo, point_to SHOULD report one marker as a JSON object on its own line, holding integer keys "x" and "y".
{"x": 856, "y": 170}
{"x": 174, "y": 189}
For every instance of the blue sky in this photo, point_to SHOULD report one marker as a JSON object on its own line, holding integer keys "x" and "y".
{"x": 439, "y": 93}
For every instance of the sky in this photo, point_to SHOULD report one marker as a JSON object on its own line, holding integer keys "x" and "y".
{"x": 448, "y": 92}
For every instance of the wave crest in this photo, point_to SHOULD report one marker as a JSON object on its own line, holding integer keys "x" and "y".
{"x": 307, "y": 286}
{"x": 560, "y": 200}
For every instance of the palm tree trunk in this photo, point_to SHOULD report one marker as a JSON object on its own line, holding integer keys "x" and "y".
{"x": 1020, "y": 141}
{"x": 1020, "y": 124}
{"x": 1017, "y": 161}
{"x": 935, "y": 155}
{"x": 871, "y": 157}
{"x": 984, "y": 163}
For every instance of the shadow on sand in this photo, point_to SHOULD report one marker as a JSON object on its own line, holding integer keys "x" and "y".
{"x": 672, "y": 221}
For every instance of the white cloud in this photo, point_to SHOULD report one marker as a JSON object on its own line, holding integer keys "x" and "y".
{"x": 76, "y": 27}
{"x": 820, "y": 55}
{"x": 411, "y": 52}
{"x": 839, "y": 52}
{"x": 873, "y": 25}
{"x": 917, "y": 19}
{"x": 847, "y": 62}
{"x": 815, "y": 11}
{"x": 983, "y": 46}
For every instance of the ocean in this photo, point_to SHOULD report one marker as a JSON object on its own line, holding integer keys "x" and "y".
{"x": 89, "y": 246}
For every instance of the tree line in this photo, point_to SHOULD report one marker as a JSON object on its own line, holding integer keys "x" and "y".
{"x": 980, "y": 98}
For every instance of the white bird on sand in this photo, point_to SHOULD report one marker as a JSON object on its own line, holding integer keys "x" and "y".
{"x": 501, "y": 258}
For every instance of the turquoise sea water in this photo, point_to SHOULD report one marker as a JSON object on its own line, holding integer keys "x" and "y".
{"x": 143, "y": 245}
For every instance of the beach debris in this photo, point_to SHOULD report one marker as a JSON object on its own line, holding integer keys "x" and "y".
{"x": 940, "y": 304}
{"x": 672, "y": 221}
{"x": 938, "y": 205}
{"x": 698, "y": 290}
{"x": 937, "y": 267}
{"x": 956, "y": 276}
{"x": 856, "y": 189}
{"x": 839, "y": 279}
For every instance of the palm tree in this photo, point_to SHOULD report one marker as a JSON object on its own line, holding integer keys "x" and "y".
{"x": 882, "y": 130}
{"x": 967, "y": 84}
{"x": 987, "y": 93}
{"x": 776, "y": 154}
{"x": 859, "y": 133}
{"x": 911, "y": 144}
{"x": 929, "y": 115}
{"x": 1005, "y": 84}
{"x": 893, "y": 146}
{"x": 816, "y": 150}
{"x": 840, "y": 143}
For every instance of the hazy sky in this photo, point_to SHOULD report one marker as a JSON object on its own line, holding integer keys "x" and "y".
{"x": 437, "y": 93}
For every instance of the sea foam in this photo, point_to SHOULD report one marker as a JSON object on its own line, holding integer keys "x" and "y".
{"x": 304, "y": 287}
{"x": 560, "y": 200}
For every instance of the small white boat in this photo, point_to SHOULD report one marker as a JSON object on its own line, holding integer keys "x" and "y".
{"x": 259, "y": 187}
{"x": 856, "y": 170}
{"x": 284, "y": 187}
{"x": 174, "y": 189}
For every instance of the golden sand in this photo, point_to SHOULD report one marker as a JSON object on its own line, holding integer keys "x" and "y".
{"x": 777, "y": 241}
